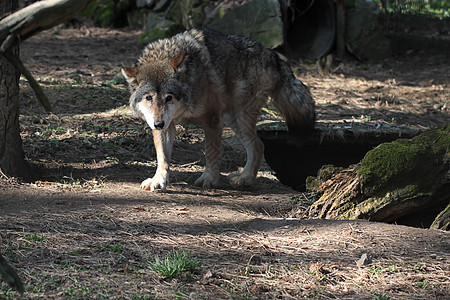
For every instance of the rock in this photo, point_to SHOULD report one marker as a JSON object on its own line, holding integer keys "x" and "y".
{"x": 159, "y": 33}
{"x": 365, "y": 37}
{"x": 107, "y": 13}
{"x": 364, "y": 260}
{"x": 156, "y": 21}
{"x": 157, "y": 27}
{"x": 137, "y": 18}
{"x": 161, "y": 5}
{"x": 259, "y": 20}
{"x": 145, "y": 3}
{"x": 189, "y": 13}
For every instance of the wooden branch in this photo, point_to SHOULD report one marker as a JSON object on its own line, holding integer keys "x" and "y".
{"x": 40, "y": 16}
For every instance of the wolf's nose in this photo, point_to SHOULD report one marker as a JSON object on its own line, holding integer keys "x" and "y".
{"x": 159, "y": 124}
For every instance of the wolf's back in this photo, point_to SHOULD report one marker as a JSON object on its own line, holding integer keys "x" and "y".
{"x": 249, "y": 59}
{"x": 228, "y": 61}
{"x": 291, "y": 97}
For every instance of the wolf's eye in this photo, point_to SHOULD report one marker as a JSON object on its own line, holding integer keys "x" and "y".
{"x": 148, "y": 98}
{"x": 169, "y": 98}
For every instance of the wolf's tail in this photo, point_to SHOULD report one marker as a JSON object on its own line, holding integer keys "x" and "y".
{"x": 294, "y": 101}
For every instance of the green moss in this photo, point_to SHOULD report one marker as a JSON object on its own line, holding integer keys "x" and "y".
{"x": 151, "y": 35}
{"x": 107, "y": 13}
{"x": 415, "y": 162}
{"x": 312, "y": 184}
{"x": 327, "y": 171}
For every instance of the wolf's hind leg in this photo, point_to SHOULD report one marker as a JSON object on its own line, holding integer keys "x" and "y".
{"x": 163, "y": 140}
{"x": 213, "y": 141}
{"x": 245, "y": 127}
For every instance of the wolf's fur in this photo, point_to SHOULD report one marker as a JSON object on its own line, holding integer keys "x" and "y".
{"x": 218, "y": 80}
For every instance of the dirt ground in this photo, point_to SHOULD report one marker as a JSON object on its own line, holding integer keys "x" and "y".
{"x": 84, "y": 229}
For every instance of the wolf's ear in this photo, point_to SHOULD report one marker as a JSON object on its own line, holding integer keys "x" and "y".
{"x": 130, "y": 75}
{"x": 176, "y": 61}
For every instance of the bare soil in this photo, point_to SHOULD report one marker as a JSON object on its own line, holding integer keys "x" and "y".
{"x": 84, "y": 229}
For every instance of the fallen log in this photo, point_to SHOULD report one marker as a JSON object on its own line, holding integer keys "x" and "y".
{"x": 400, "y": 180}
{"x": 39, "y": 16}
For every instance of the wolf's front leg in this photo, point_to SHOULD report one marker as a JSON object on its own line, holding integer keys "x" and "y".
{"x": 163, "y": 140}
{"x": 213, "y": 141}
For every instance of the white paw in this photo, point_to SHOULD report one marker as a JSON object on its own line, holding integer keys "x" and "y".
{"x": 207, "y": 180}
{"x": 242, "y": 181}
{"x": 157, "y": 182}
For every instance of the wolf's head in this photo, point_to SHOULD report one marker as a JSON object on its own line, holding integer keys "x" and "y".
{"x": 156, "y": 92}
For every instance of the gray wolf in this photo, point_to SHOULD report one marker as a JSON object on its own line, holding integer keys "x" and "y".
{"x": 217, "y": 80}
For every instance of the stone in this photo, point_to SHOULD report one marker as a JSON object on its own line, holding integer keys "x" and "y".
{"x": 154, "y": 20}
{"x": 260, "y": 20}
{"x": 365, "y": 37}
{"x": 157, "y": 27}
{"x": 145, "y": 3}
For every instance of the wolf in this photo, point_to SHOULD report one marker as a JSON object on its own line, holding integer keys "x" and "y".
{"x": 218, "y": 80}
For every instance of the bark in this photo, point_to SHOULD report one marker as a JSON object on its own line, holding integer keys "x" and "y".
{"x": 442, "y": 221}
{"x": 12, "y": 159}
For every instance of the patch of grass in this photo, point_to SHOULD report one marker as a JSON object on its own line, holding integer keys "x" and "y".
{"x": 71, "y": 182}
{"x": 391, "y": 269}
{"x": 143, "y": 297}
{"x": 174, "y": 264}
{"x": 424, "y": 284}
{"x": 115, "y": 247}
{"x": 374, "y": 272}
{"x": 382, "y": 297}
{"x": 418, "y": 267}
{"x": 117, "y": 80}
{"x": 34, "y": 237}
{"x": 292, "y": 200}
{"x": 78, "y": 291}
{"x": 232, "y": 288}
{"x": 180, "y": 294}
{"x": 310, "y": 201}
{"x": 97, "y": 180}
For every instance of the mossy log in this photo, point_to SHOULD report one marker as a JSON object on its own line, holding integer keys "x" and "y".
{"x": 404, "y": 178}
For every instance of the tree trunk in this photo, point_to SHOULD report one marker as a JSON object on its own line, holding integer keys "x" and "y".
{"x": 12, "y": 159}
